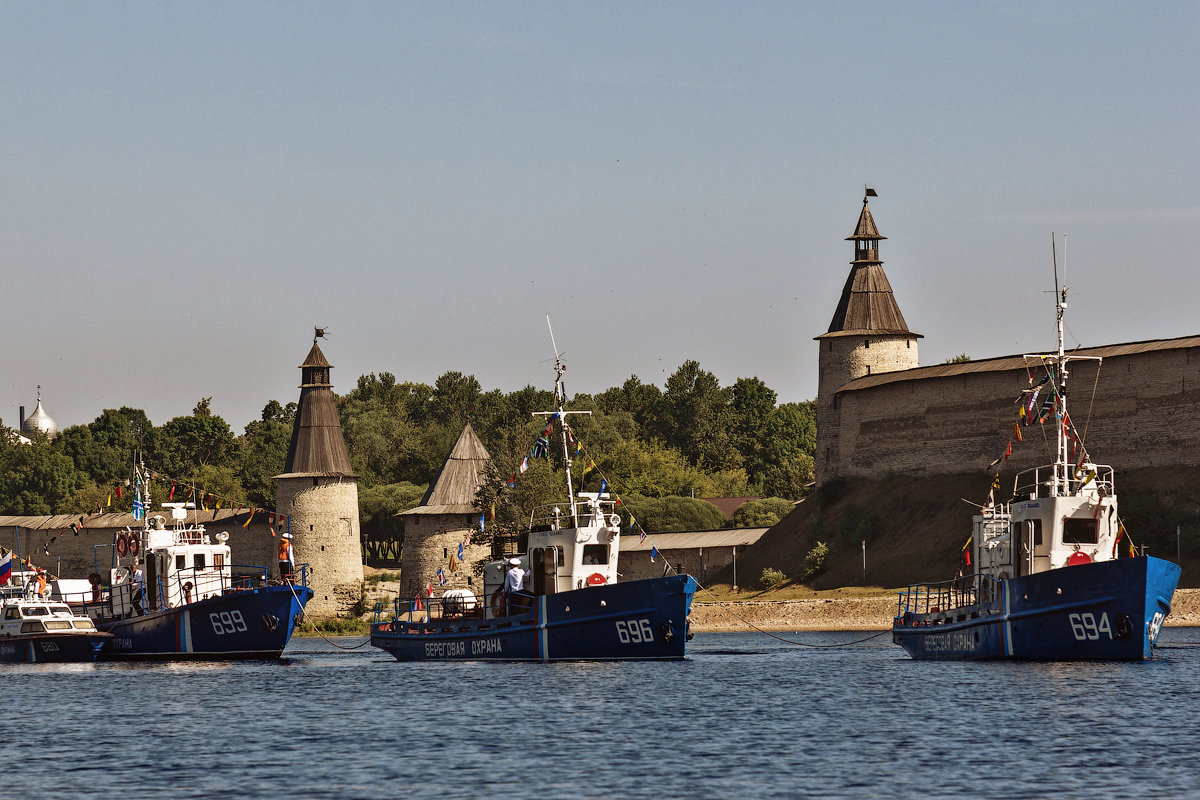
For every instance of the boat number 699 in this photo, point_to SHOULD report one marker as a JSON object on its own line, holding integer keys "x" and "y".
{"x": 634, "y": 630}
{"x": 227, "y": 622}
{"x": 1085, "y": 626}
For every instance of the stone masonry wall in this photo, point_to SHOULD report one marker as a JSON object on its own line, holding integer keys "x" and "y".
{"x": 1145, "y": 414}
{"x": 429, "y": 540}
{"x": 324, "y": 527}
{"x": 842, "y": 359}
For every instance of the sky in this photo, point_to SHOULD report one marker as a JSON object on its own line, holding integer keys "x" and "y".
{"x": 187, "y": 189}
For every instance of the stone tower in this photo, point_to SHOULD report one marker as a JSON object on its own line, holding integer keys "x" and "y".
{"x": 434, "y": 529}
{"x": 867, "y": 336}
{"x": 318, "y": 491}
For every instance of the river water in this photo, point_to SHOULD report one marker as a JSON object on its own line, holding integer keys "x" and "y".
{"x": 745, "y": 715}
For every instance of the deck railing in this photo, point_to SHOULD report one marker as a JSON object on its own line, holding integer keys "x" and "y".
{"x": 448, "y": 611}
{"x": 186, "y": 586}
{"x": 979, "y": 591}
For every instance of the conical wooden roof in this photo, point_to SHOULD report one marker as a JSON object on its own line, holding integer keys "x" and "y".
{"x": 453, "y": 491}
{"x": 866, "y": 226}
{"x": 867, "y": 305}
{"x": 318, "y": 448}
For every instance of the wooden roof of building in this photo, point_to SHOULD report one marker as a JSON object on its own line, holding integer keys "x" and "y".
{"x": 867, "y": 306}
{"x": 1015, "y": 362}
{"x": 687, "y": 540}
{"x": 454, "y": 489}
{"x": 865, "y": 229}
{"x": 124, "y": 519}
{"x": 318, "y": 448}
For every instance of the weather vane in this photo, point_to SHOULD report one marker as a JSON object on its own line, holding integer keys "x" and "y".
{"x": 319, "y": 333}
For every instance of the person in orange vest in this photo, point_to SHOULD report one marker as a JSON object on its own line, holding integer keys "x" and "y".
{"x": 41, "y": 584}
{"x": 287, "y": 559}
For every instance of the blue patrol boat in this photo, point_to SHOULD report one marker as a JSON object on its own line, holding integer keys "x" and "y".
{"x": 1049, "y": 579}
{"x": 192, "y": 601}
{"x": 575, "y": 608}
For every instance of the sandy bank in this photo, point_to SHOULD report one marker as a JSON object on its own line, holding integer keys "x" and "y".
{"x": 850, "y": 613}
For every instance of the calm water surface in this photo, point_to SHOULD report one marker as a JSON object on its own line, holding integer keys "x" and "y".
{"x": 744, "y": 716}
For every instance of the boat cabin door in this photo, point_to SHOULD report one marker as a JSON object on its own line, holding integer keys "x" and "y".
{"x": 1033, "y": 551}
{"x": 151, "y": 572}
{"x": 545, "y": 562}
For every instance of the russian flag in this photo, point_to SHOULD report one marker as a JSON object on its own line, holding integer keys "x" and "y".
{"x": 5, "y": 568}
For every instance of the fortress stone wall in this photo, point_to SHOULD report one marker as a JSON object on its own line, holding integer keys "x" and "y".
{"x": 959, "y": 418}
{"x": 878, "y": 412}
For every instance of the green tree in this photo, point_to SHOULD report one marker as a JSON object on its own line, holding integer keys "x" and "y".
{"x": 672, "y": 514}
{"x": 36, "y": 478}
{"x": 695, "y": 417}
{"x": 761, "y": 513}
{"x": 262, "y": 454}
{"x": 378, "y": 506}
{"x": 187, "y": 443}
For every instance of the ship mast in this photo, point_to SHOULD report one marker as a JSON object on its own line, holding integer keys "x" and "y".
{"x": 560, "y": 397}
{"x": 1062, "y": 464}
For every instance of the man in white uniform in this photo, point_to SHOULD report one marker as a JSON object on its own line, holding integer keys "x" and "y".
{"x": 513, "y": 581}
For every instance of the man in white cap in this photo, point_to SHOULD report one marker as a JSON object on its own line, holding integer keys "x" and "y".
{"x": 287, "y": 560}
{"x": 513, "y": 581}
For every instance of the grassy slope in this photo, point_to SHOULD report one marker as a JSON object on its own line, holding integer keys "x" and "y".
{"x": 915, "y": 528}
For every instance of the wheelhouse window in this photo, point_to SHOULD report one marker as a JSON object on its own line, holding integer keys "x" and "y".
{"x": 219, "y": 560}
{"x": 181, "y": 562}
{"x": 198, "y": 560}
{"x": 595, "y": 554}
{"x": 1080, "y": 530}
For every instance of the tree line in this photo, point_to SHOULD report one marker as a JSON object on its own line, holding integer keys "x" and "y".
{"x": 691, "y": 438}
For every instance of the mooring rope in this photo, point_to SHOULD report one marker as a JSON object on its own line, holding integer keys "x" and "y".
{"x": 751, "y": 625}
{"x": 292, "y": 588}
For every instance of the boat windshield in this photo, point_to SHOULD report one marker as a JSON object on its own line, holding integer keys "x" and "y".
{"x": 35, "y": 611}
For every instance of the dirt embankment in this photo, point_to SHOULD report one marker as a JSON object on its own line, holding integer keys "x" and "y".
{"x": 849, "y": 613}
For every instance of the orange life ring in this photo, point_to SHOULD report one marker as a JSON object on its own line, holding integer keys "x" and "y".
{"x": 122, "y": 544}
{"x": 135, "y": 545}
{"x": 596, "y": 579}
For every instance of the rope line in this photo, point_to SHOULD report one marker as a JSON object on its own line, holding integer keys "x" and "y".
{"x": 292, "y": 588}
{"x": 793, "y": 642}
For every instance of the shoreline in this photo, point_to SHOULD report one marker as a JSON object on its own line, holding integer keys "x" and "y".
{"x": 866, "y": 613}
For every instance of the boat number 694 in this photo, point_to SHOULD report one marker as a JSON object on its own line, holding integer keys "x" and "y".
{"x": 634, "y": 630}
{"x": 1085, "y": 626}
{"x": 227, "y": 622}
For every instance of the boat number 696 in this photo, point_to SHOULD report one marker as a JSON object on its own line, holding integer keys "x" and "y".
{"x": 1085, "y": 626}
{"x": 634, "y": 630}
{"x": 227, "y": 622}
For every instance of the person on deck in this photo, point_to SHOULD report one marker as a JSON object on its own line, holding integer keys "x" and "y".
{"x": 139, "y": 587}
{"x": 41, "y": 584}
{"x": 287, "y": 558}
{"x": 513, "y": 581}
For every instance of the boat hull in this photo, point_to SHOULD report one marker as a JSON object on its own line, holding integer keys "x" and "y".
{"x": 1110, "y": 610}
{"x": 249, "y": 623}
{"x": 52, "y": 648}
{"x": 638, "y": 620}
